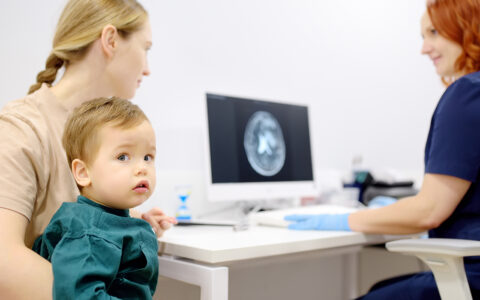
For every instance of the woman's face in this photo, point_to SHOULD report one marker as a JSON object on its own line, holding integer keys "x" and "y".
{"x": 129, "y": 63}
{"x": 442, "y": 51}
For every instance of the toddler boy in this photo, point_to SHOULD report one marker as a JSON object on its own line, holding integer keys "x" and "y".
{"x": 96, "y": 249}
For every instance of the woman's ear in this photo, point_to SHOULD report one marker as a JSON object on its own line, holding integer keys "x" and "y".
{"x": 109, "y": 39}
{"x": 80, "y": 173}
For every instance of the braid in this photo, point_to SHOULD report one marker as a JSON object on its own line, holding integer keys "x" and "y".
{"x": 53, "y": 64}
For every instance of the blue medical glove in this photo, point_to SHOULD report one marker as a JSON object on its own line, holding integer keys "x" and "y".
{"x": 381, "y": 201}
{"x": 319, "y": 222}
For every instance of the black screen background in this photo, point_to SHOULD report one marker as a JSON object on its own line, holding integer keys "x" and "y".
{"x": 227, "y": 119}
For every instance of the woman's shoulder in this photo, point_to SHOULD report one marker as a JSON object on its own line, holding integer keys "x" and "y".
{"x": 24, "y": 110}
{"x": 20, "y": 107}
{"x": 469, "y": 81}
{"x": 460, "y": 103}
{"x": 472, "y": 77}
{"x": 30, "y": 114}
{"x": 465, "y": 90}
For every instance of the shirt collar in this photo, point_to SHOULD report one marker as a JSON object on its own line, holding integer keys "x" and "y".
{"x": 119, "y": 212}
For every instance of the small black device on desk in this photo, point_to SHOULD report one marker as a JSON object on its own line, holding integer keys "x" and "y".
{"x": 369, "y": 188}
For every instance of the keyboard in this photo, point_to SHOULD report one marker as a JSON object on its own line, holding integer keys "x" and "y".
{"x": 276, "y": 217}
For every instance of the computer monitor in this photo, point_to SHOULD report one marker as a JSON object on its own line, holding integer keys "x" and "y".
{"x": 257, "y": 150}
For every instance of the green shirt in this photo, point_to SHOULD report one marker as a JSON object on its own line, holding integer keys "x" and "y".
{"x": 99, "y": 253}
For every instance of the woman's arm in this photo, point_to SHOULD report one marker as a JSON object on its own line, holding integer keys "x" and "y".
{"x": 436, "y": 201}
{"x": 24, "y": 274}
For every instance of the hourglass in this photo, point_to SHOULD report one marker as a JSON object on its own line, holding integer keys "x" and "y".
{"x": 183, "y": 193}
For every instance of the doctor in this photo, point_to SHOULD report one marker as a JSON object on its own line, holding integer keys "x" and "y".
{"x": 448, "y": 204}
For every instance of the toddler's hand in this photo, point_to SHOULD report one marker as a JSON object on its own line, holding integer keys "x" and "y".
{"x": 158, "y": 220}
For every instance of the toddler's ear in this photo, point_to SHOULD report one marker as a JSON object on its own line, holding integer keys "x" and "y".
{"x": 80, "y": 173}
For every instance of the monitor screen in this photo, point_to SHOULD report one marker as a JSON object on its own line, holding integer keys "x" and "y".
{"x": 257, "y": 150}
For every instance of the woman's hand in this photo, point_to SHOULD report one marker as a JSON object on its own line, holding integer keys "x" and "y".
{"x": 158, "y": 220}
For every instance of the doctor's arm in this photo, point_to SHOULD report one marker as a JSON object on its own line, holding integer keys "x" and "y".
{"x": 436, "y": 201}
{"x": 24, "y": 274}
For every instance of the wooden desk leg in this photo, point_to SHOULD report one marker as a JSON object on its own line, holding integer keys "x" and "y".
{"x": 213, "y": 280}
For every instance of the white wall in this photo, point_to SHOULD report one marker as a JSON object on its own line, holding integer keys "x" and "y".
{"x": 357, "y": 64}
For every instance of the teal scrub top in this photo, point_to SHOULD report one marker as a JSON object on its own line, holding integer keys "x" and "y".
{"x": 99, "y": 253}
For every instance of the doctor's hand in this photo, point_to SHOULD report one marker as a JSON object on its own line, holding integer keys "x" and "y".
{"x": 158, "y": 220}
{"x": 318, "y": 222}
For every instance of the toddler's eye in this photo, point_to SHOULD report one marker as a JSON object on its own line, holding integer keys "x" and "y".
{"x": 148, "y": 157}
{"x": 122, "y": 157}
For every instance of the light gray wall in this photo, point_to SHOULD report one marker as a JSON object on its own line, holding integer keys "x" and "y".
{"x": 357, "y": 64}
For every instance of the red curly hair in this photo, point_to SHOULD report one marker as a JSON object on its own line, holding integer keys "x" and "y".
{"x": 459, "y": 21}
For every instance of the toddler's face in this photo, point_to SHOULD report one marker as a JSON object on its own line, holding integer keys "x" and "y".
{"x": 123, "y": 172}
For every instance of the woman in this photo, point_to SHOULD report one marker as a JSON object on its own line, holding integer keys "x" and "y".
{"x": 103, "y": 45}
{"x": 448, "y": 204}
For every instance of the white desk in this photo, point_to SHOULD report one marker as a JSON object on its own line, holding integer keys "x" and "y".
{"x": 200, "y": 255}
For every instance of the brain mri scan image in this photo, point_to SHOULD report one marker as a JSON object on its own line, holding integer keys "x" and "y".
{"x": 264, "y": 143}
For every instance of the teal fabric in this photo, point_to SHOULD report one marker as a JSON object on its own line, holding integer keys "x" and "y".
{"x": 99, "y": 253}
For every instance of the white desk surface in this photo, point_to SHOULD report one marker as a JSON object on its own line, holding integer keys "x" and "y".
{"x": 217, "y": 244}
